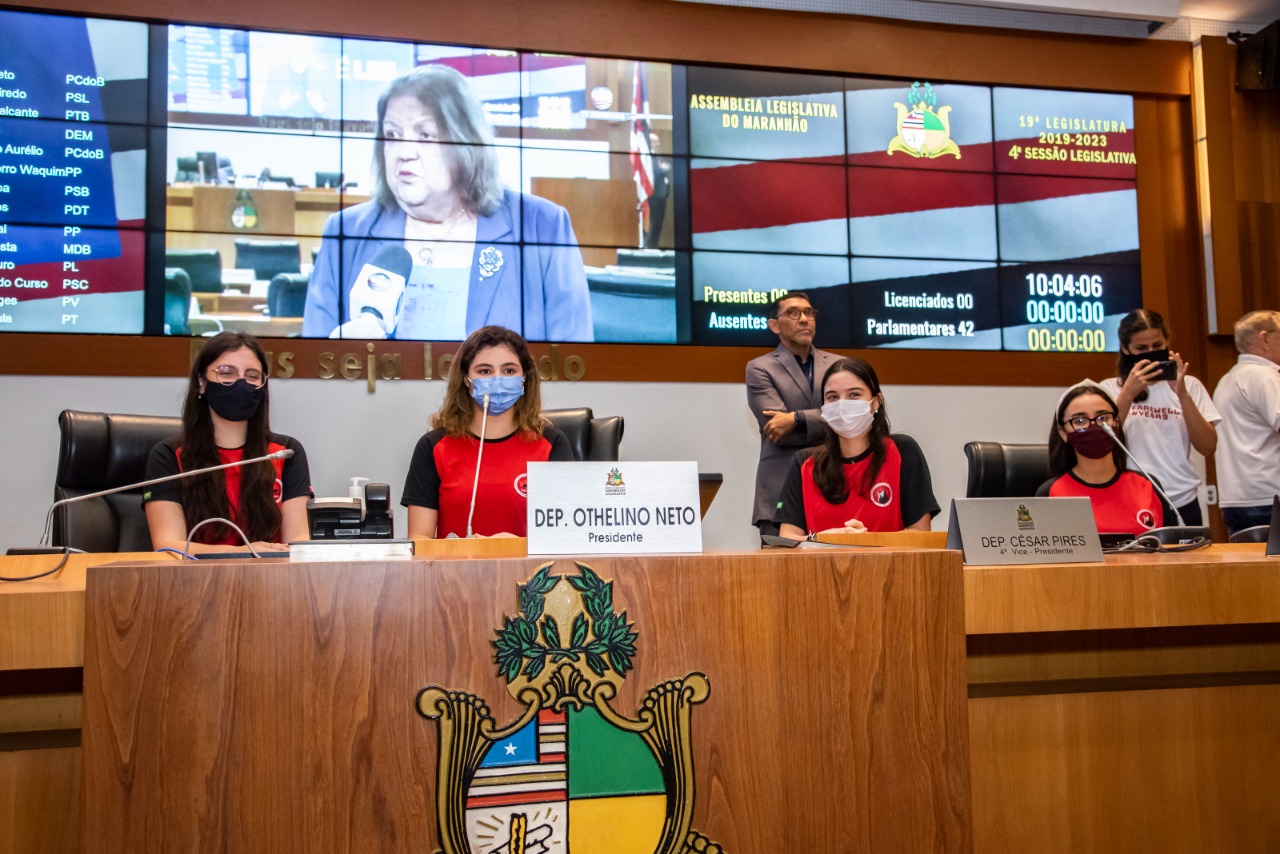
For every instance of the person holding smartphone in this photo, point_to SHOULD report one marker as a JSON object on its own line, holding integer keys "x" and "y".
{"x": 1165, "y": 411}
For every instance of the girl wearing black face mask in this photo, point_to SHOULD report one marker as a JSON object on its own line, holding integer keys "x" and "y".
{"x": 1163, "y": 419}
{"x": 225, "y": 419}
{"x": 1087, "y": 462}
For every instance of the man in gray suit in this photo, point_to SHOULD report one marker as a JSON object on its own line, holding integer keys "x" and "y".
{"x": 784, "y": 391}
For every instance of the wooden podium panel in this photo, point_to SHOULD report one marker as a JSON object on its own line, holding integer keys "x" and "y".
{"x": 1126, "y": 706}
{"x": 269, "y": 706}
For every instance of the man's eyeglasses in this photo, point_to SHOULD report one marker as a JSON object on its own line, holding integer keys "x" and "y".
{"x": 797, "y": 313}
{"x": 227, "y": 374}
{"x": 1081, "y": 422}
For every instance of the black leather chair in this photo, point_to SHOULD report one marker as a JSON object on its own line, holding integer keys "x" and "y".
{"x": 187, "y": 172}
{"x": 100, "y": 451}
{"x": 997, "y": 470}
{"x": 1256, "y": 534}
{"x": 268, "y": 258}
{"x": 593, "y": 439}
{"x": 287, "y": 294}
{"x": 177, "y": 301}
{"x": 203, "y": 266}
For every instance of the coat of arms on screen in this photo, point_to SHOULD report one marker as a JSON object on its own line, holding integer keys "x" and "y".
{"x": 570, "y": 773}
{"x": 924, "y": 129}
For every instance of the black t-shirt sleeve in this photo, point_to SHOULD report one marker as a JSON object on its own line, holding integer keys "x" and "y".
{"x": 790, "y": 509}
{"x": 422, "y": 485}
{"x": 561, "y": 450}
{"x": 163, "y": 462}
{"x": 296, "y": 481}
{"x": 916, "y": 486}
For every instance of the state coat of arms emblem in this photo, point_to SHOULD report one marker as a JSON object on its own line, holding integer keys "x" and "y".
{"x": 570, "y": 773}
{"x": 924, "y": 128}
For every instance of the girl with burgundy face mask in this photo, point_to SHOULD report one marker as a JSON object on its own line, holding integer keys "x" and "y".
{"x": 1087, "y": 461}
{"x": 224, "y": 420}
{"x": 860, "y": 478}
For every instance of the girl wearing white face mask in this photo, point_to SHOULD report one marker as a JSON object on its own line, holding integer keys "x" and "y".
{"x": 860, "y": 479}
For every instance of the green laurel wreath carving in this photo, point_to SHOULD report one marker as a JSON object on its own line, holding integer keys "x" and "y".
{"x": 916, "y": 94}
{"x": 518, "y": 649}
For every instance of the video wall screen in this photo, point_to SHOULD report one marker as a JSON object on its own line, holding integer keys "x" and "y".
{"x": 327, "y": 186}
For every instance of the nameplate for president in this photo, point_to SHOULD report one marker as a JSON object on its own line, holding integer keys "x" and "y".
{"x": 993, "y": 531}
{"x": 613, "y": 508}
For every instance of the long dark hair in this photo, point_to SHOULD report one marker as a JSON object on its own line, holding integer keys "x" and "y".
{"x": 1138, "y": 320}
{"x": 205, "y": 497}
{"x": 1062, "y": 457}
{"x": 457, "y": 409}
{"x": 828, "y": 462}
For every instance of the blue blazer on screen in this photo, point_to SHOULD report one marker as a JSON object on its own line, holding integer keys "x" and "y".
{"x": 542, "y": 295}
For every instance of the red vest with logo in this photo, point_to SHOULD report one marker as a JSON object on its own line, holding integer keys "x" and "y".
{"x": 880, "y": 509}
{"x": 1127, "y": 505}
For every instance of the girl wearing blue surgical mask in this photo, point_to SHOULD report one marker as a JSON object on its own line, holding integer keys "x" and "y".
{"x": 860, "y": 478}
{"x": 492, "y": 395}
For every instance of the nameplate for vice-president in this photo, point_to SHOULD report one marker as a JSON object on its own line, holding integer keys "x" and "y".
{"x": 993, "y": 531}
{"x": 613, "y": 508}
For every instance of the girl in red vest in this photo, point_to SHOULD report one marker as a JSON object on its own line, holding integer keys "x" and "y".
{"x": 860, "y": 478}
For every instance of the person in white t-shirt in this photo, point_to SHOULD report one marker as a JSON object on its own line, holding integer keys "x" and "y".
{"x": 1163, "y": 419}
{"x": 1249, "y": 397}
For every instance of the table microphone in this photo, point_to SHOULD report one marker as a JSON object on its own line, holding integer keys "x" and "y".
{"x": 48, "y": 522}
{"x": 1167, "y": 535}
{"x": 475, "y": 485}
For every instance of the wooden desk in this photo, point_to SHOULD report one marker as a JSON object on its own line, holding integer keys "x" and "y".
{"x": 193, "y": 224}
{"x": 41, "y": 653}
{"x": 255, "y": 323}
{"x": 1123, "y": 706}
{"x": 261, "y": 706}
{"x": 1126, "y": 706}
{"x": 236, "y": 302}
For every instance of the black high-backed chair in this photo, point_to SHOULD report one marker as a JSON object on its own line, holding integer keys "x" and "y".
{"x": 177, "y": 301}
{"x": 187, "y": 172}
{"x": 100, "y": 451}
{"x": 593, "y": 439}
{"x": 203, "y": 267}
{"x": 1256, "y": 534}
{"x": 287, "y": 294}
{"x": 997, "y": 470}
{"x": 268, "y": 258}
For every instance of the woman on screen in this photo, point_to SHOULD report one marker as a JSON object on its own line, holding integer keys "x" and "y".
{"x": 860, "y": 478}
{"x": 494, "y": 363}
{"x": 438, "y": 197}
{"x": 224, "y": 420}
{"x": 1163, "y": 418}
{"x": 1087, "y": 461}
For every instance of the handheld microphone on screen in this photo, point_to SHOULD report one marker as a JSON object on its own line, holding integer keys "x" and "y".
{"x": 1181, "y": 534}
{"x": 379, "y": 286}
{"x": 475, "y": 484}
